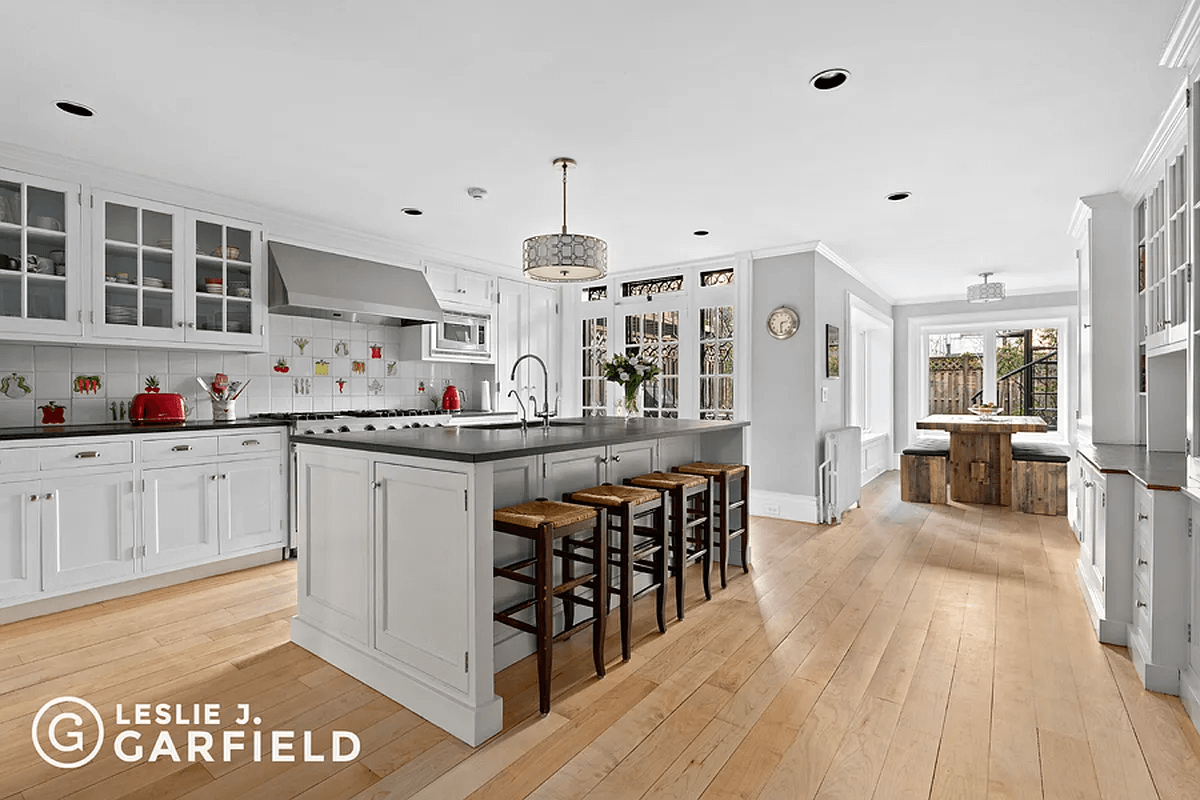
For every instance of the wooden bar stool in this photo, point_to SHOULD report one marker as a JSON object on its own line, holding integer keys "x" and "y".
{"x": 690, "y": 525}
{"x": 723, "y": 475}
{"x": 544, "y": 522}
{"x": 624, "y": 505}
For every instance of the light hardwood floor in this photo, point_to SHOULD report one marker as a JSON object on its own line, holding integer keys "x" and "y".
{"x": 913, "y": 651}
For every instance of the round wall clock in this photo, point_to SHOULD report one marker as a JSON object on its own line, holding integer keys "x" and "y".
{"x": 783, "y": 322}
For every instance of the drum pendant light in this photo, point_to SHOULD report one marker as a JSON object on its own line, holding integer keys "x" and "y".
{"x": 565, "y": 257}
{"x": 985, "y": 292}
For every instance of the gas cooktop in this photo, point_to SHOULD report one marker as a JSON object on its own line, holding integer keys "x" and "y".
{"x": 360, "y": 413}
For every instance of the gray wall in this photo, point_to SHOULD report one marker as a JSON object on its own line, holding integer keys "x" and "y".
{"x": 787, "y": 415}
{"x": 1020, "y": 305}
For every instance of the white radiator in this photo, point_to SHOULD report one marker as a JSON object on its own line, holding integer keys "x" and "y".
{"x": 840, "y": 473}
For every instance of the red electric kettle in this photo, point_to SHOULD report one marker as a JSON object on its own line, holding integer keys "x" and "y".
{"x": 451, "y": 401}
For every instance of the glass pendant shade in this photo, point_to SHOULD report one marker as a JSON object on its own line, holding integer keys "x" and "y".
{"x": 985, "y": 292}
{"x": 565, "y": 257}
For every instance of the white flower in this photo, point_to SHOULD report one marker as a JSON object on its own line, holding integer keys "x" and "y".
{"x": 641, "y": 369}
{"x": 623, "y": 375}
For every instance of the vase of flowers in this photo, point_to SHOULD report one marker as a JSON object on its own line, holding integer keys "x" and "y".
{"x": 630, "y": 374}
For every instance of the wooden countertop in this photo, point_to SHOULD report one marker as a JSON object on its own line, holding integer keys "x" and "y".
{"x": 1157, "y": 470}
{"x": 962, "y": 423}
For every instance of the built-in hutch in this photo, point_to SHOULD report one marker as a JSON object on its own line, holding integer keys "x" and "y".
{"x": 1136, "y": 476}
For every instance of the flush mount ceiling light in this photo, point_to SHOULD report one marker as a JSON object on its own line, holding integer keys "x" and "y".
{"x": 565, "y": 257}
{"x": 75, "y": 109}
{"x": 985, "y": 292}
{"x": 896, "y": 197}
{"x": 829, "y": 79}
{"x": 412, "y": 212}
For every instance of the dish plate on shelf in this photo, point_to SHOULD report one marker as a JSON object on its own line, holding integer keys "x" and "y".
{"x": 155, "y": 283}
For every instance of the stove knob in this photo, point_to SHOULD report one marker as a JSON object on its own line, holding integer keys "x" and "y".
{"x": 391, "y": 427}
{"x": 309, "y": 432}
{"x": 344, "y": 429}
{"x": 330, "y": 430}
{"x": 368, "y": 427}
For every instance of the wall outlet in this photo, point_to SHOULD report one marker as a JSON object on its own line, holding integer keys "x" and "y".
{"x": 770, "y": 509}
{"x": 824, "y": 394}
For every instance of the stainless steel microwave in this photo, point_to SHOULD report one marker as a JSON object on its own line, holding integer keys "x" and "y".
{"x": 463, "y": 334}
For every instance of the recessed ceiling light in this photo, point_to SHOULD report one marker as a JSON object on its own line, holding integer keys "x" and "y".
{"x": 477, "y": 193}
{"x": 75, "y": 109}
{"x": 829, "y": 79}
{"x": 896, "y": 197}
{"x": 412, "y": 212}
{"x": 700, "y": 232}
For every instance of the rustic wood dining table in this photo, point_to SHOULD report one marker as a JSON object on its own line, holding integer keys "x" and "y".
{"x": 981, "y": 454}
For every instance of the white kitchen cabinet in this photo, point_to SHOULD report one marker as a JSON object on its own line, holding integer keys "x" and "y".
{"x": 1108, "y": 389}
{"x": 527, "y": 321}
{"x": 250, "y": 511}
{"x": 20, "y": 573}
{"x": 573, "y": 470}
{"x": 228, "y": 251}
{"x": 40, "y": 219}
{"x": 424, "y": 558}
{"x": 1105, "y": 531}
{"x": 333, "y": 537}
{"x": 459, "y": 287}
{"x": 1158, "y": 632}
{"x": 179, "y": 515}
{"x": 139, "y": 279}
{"x": 88, "y": 525}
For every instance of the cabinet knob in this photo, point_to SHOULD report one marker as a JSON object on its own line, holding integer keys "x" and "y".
{"x": 49, "y": 496}
{"x": 603, "y": 459}
{"x": 1142, "y": 562}
{"x": 192, "y": 325}
{"x": 1142, "y": 517}
{"x": 616, "y": 458}
{"x": 179, "y": 324}
{"x": 212, "y": 477}
{"x": 33, "y": 498}
{"x": 1141, "y": 604}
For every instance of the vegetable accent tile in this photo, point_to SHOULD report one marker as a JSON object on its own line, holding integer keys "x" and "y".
{"x": 114, "y": 375}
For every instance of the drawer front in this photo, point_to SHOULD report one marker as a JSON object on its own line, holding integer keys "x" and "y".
{"x": 250, "y": 443}
{"x": 159, "y": 451}
{"x": 1143, "y": 564}
{"x": 86, "y": 454}
{"x": 17, "y": 462}
{"x": 1143, "y": 510}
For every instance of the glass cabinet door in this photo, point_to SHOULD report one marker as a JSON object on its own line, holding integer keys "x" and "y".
{"x": 227, "y": 299}
{"x": 39, "y": 273}
{"x": 137, "y": 243}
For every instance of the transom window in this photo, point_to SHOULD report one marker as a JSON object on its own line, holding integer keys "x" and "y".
{"x": 673, "y": 283}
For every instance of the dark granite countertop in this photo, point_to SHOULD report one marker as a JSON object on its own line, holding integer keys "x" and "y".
{"x": 1157, "y": 470}
{"x": 474, "y": 445}
{"x": 43, "y": 432}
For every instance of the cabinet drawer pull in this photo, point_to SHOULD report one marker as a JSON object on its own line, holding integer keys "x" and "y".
{"x": 87, "y": 454}
{"x": 250, "y": 442}
{"x": 181, "y": 448}
{"x": 1142, "y": 517}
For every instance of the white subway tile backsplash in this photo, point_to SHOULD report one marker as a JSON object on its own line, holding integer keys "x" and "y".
{"x": 16, "y": 358}
{"x": 55, "y": 383}
{"x": 208, "y": 364}
{"x": 16, "y": 413}
{"x": 121, "y": 360}
{"x": 47, "y": 357}
{"x": 122, "y": 385}
{"x": 234, "y": 365}
{"x": 152, "y": 362}
{"x": 181, "y": 362}
{"x": 84, "y": 411}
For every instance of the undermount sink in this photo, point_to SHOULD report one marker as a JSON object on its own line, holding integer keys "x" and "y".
{"x": 533, "y": 423}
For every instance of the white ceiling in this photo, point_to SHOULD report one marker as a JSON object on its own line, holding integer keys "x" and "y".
{"x": 682, "y": 115}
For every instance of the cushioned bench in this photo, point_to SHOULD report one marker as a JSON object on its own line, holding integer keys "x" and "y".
{"x": 923, "y": 469}
{"x": 1039, "y": 478}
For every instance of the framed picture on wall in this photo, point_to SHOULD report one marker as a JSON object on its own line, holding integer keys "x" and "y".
{"x": 831, "y": 351}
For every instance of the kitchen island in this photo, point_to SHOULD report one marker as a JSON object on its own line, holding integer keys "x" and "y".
{"x": 396, "y": 547}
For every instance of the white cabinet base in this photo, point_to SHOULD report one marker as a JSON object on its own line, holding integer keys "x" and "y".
{"x": 1155, "y": 677}
{"x": 1189, "y": 694}
{"x": 473, "y": 724}
{"x": 1107, "y": 631}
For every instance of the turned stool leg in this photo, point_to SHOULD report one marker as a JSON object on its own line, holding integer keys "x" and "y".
{"x": 660, "y": 565}
{"x": 568, "y": 573}
{"x": 543, "y": 594}
{"x": 723, "y": 522}
{"x": 706, "y": 504}
{"x": 626, "y": 579}
{"x": 746, "y": 519}
{"x": 678, "y": 518}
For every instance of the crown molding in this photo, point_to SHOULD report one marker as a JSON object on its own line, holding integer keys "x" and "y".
{"x": 282, "y": 224}
{"x": 817, "y": 246}
{"x": 1168, "y": 138}
{"x": 1079, "y": 219}
{"x": 1181, "y": 49}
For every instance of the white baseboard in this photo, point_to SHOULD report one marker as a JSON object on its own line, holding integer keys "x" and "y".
{"x": 1189, "y": 694}
{"x": 795, "y": 507}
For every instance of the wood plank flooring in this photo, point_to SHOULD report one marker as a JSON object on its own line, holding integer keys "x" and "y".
{"x": 913, "y": 651}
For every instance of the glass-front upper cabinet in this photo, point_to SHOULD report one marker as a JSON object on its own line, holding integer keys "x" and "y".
{"x": 227, "y": 292}
{"x": 39, "y": 256}
{"x": 139, "y": 283}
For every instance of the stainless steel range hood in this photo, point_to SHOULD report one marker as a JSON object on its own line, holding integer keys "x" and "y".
{"x": 312, "y": 283}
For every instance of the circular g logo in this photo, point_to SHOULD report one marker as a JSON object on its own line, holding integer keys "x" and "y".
{"x": 65, "y": 733}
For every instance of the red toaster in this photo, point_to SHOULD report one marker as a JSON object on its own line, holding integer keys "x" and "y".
{"x": 157, "y": 408}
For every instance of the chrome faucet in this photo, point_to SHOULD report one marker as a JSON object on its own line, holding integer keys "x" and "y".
{"x": 545, "y": 413}
{"x": 524, "y": 414}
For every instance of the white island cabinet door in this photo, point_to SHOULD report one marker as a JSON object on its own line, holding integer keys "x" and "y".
{"x": 87, "y": 529}
{"x": 179, "y": 515}
{"x": 333, "y": 530}
{"x": 19, "y": 505}
{"x": 572, "y": 470}
{"x": 250, "y": 511}
{"x": 423, "y": 570}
